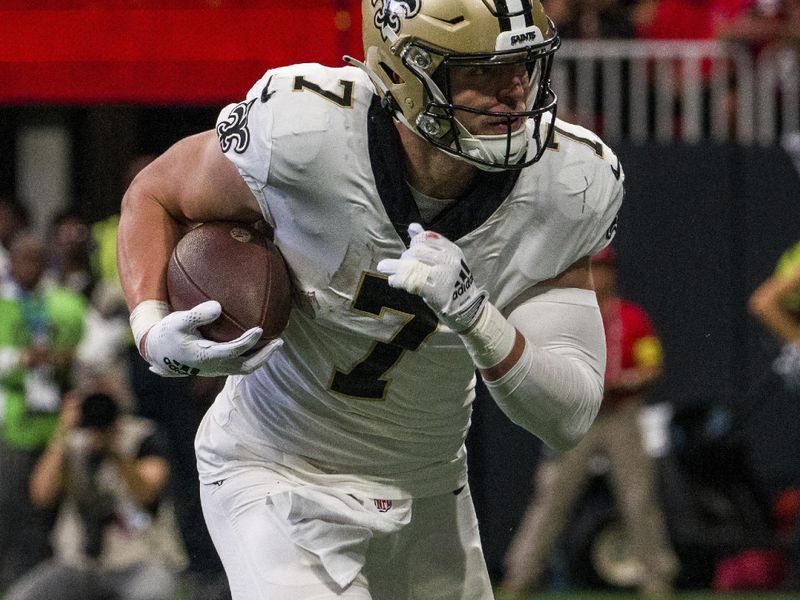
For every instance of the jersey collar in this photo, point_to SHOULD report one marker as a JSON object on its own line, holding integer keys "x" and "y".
{"x": 482, "y": 198}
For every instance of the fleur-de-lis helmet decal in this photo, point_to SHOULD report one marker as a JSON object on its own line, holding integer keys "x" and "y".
{"x": 390, "y": 11}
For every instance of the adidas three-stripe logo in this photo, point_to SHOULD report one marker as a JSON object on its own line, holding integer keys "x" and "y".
{"x": 179, "y": 368}
{"x": 464, "y": 282}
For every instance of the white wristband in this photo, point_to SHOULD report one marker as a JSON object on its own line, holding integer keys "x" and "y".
{"x": 491, "y": 339}
{"x": 146, "y": 314}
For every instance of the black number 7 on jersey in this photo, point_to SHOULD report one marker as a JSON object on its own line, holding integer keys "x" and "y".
{"x": 368, "y": 378}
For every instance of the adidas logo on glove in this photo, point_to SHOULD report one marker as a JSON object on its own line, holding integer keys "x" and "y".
{"x": 465, "y": 282}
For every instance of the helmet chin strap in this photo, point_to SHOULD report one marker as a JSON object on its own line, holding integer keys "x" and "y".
{"x": 491, "y": 148}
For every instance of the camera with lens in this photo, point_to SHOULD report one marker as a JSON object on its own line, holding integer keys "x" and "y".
{"x": 98, "y": 411}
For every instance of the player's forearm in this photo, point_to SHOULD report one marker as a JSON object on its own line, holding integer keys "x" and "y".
{"x": 147, "y": 234}
{"x": 545, "y": 373}
{"x": 192, "y": 182}
{"x": 554, "y": 397}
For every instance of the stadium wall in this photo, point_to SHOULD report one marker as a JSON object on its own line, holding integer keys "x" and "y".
{"x": 702, "y": 225}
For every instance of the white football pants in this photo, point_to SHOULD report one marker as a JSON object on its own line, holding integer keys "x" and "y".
{"x": 436, "y": 556}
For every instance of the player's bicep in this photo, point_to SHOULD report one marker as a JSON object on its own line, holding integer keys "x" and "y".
{"x": 194, "y": 181}
{"x": 556, "y": 312}
{"x": 577, "y": 275}
{"x": 561, "y": 317}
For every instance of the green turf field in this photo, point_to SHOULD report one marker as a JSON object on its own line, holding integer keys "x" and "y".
{"x": 694, "y": 595}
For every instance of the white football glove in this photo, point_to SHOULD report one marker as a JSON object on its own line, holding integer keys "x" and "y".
{"x": 787, "y": 365}
{"x": 433, "y": 268}
{"x": 174, "y": 347}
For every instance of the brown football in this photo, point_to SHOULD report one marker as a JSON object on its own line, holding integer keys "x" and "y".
{"x": 238, "y": 266}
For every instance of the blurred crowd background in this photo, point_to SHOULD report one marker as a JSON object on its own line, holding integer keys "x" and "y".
{"x": 700, "y": 99}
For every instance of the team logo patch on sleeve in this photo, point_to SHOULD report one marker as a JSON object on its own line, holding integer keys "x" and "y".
{"x": 612, "y": 229}
{"x": 617, "y": 171}
{"x": 233, "y": 132}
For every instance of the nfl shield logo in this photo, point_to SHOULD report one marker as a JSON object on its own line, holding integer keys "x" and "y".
{"x": 382, "y": 505}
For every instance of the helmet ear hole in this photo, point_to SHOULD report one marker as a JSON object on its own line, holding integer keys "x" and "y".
{"x": 439, "y": 77}
{"x": 391, "y": 74}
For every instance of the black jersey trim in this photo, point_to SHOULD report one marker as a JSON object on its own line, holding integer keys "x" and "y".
{"x": 387, "y": 167}
{"x": 471, "y": 209}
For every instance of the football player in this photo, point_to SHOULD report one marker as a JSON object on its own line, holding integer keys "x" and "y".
{"x": 436, "y": 218}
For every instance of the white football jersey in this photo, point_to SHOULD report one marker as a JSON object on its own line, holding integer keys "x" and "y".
{"x": 368, "y": 387}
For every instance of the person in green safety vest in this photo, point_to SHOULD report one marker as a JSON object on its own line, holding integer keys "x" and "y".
{"x": 775, "y": 303}
{"x": 40, "y": 328}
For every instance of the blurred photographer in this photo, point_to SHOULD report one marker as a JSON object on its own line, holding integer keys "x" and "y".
{"x": 111, "y": 470}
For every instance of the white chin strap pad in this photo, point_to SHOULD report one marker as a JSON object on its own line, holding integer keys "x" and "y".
{"x": 492, "y": 148}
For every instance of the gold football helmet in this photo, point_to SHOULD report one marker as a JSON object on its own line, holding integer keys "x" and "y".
{"x": 412, "y": 49}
